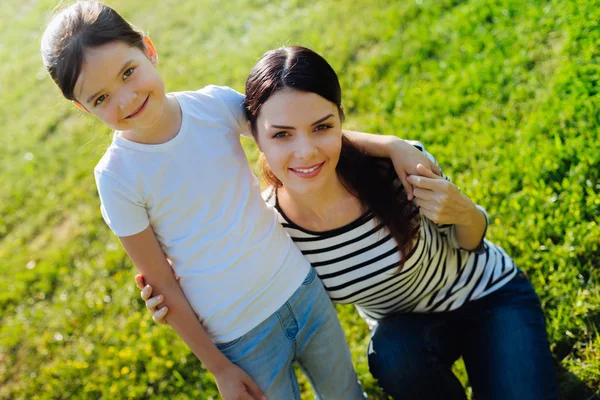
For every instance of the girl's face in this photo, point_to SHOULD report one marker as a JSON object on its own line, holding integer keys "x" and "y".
{"x": 300, "y": 134}
{"x": 120, "y": 85}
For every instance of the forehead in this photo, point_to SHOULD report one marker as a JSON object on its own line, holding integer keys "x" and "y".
{"x": 290, "y": 105}
{"x": 101, "y": 65}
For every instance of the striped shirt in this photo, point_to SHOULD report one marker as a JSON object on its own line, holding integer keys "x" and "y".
{"x": 359, "y": 264}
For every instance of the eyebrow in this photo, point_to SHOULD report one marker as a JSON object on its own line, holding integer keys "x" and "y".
{"x": 313, "y": 124}
{"x": 123, "y": 68}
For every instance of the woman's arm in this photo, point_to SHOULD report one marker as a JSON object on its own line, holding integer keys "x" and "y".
{"x": 404, "y": 155}
{"x": 443, "y": 203}
{"x": 147, "y": 255}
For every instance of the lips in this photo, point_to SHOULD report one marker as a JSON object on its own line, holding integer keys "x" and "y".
{"x": 139, "y": 110}
{"x": 309, "y": 171}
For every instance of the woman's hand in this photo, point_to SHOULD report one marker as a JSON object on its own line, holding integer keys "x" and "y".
{"x": 406, "y": 158}
{"x": 152, "y": 303}
{"x": 235, "y": 384}
{"x": 440, "y": 200}
{"x": 404, "y": 155}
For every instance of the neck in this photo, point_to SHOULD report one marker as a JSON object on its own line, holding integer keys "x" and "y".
{"x": 166, "y": 128}
{"x": 329, "y": 207}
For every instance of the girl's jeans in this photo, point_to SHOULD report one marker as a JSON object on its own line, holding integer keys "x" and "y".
{"x": 305, "y": 329}
{"x": 501, "y": 337}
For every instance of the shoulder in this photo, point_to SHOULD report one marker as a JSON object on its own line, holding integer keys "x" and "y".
{"x": 211, "y": 93}
{"x": 112, "y": 160}
{"x": 117, "y": 169}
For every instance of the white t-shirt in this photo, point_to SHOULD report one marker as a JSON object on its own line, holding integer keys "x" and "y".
{"x": 236, "y": 264}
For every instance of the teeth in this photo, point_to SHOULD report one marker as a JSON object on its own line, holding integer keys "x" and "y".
{"x": 306, "y": 171}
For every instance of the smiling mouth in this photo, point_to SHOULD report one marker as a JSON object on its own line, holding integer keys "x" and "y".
{"x": 139, "y": 110}
{"x": 308, "y": 172}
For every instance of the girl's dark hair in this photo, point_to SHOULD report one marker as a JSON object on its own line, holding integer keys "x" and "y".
{"x": 372, "y": 180}
{"x": 72, "y": 30}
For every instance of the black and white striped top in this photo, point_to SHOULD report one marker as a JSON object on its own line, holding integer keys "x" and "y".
{"x": 358, "y": 264}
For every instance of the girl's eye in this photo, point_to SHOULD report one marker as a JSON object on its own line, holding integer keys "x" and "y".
{"x": 128, "y": 72}
{"x": 99, "y": 100}
{"x": 280, "y": 135}
{"x": 323, "y": 127}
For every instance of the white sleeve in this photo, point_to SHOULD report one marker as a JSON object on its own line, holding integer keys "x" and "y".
{"x": 122, "y": 209}
{"x": 234, "y": 103}
{"x": 450, "y": 230}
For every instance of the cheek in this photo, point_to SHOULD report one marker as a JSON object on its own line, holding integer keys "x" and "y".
{"x": 332, "y": 145}
{"x": 276, "y": 157}
{"x": 109, "y": 115}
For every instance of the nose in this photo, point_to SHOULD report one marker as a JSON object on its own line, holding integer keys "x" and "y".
{"x": 305, "y": 148}
{"x": 126, "y": 98}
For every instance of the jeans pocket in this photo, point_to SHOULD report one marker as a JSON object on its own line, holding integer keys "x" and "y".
{"x": 310, "y": 277}
{"x": 227, "y": 345}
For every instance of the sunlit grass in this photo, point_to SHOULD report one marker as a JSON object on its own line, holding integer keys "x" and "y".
{"x": 504, "y": 93}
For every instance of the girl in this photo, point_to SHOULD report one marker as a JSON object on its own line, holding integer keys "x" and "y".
{"x": 420, "y": 273}
{"x": 176, "y": 189}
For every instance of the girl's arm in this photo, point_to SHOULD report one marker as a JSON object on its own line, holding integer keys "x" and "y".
{"x": 404, "y": 156}
{"x": 147, "y": 255}
{"x": 443, "y": 203}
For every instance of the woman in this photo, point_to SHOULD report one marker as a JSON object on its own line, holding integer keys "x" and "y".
{"x": 421, "y": 273}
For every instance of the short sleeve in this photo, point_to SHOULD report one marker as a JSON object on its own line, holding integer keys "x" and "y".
{"x": 122, "y": 209}
{"x": 234, "y": 102}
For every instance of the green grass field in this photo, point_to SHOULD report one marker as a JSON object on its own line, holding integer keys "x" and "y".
{"x": 504, "y": 93}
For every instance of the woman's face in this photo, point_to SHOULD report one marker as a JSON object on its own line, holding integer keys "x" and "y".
{"x": 300, "y": 134}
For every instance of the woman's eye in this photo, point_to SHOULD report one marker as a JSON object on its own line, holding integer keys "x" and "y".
{"x": 99, "y": 100}
{"x": 128, "y": 72}
{"x": 322, "y": 127}
{"x": 279, "y": 135}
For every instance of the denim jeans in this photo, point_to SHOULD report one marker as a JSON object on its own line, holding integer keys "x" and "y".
{"x": 306, "y": 330}
{"x": 501, "y": 337}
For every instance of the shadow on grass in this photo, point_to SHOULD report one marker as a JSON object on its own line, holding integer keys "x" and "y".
{"x": 570, "y": 386}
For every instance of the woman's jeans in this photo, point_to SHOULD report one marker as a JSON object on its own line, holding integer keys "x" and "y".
{"x": 501, "y": 337}
{"x": 305, "y": 329}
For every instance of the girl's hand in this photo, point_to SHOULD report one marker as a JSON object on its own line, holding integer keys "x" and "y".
{"x": 152, "y": 303}
{"x": 235, "y": 384}
{"x": 406, "y": 158}
{"x": 440, "y": 200}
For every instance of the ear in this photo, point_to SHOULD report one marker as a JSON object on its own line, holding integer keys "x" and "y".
{"x": 151, "y": 52}
{"x": 80, "y": 106}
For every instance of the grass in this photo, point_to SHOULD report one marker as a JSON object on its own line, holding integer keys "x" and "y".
{"x": 504, "y": 93}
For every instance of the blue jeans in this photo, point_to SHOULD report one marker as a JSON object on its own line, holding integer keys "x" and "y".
{"x": 306, "y": 330}
{"x": 501, "y": 337}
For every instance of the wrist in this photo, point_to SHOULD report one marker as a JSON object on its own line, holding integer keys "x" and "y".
{"x": 218, "y": 363}
{"x": 472, "y": 216}
{"x": 395, "y": 146}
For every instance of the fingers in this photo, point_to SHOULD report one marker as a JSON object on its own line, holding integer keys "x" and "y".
{"x": 407, "y": 186}
{"x": 254, "y": 390}
{"x": 146, "y": 292}
{"x": 428, "y": 214}
{"x": 435, "y": 168}
{"x": 424, "y": 194}
{"x": 140, "y": 281}
{"x": 423, "y": 170}
{"x": 153, "y": 302}
{"x": 159, "y": 316}
{"x": 423, "y": 182}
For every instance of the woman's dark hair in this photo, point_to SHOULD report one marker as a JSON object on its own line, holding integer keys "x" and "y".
{"x": 371, "y": 179}
{"x": 82, "y": 25}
